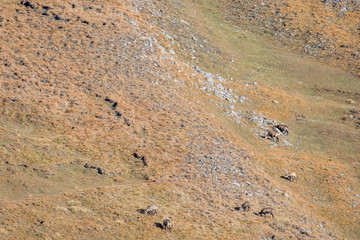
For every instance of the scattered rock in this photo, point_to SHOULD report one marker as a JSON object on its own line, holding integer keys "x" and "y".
{"x": 305, "y": 232}
{"x": 287, "y": 143}
{"x": 260, "y": 120}
{"x": 353, "y": 116}
{"x": 99, "y": 170}
{"x": 27, "y": 4}
{"x": 79, "y": 209}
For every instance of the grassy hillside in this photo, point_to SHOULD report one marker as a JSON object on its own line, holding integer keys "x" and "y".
{"x": 109, "y": 106}
{"x": 328, "y": 30}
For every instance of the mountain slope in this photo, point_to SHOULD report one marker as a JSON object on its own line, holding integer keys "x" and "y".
{"x": 328, "y": 30}
{"x": 109, "y": 106}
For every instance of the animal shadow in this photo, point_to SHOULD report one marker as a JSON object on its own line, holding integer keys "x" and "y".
{"x": 285, "y": 177}
{"x": 237, "y": 208}
{"x": 142, "y": 211}
{"x": 159, "y": 225}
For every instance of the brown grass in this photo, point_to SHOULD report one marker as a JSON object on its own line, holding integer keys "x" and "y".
{"x": 322, "y": 30}
{"x": 72, "y": 167}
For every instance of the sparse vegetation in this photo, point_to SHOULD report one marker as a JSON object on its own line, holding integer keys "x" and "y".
{"x": 107, "y": 107}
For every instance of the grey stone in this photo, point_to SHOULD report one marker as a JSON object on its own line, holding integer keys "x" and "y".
{"x": 286, "y": 143}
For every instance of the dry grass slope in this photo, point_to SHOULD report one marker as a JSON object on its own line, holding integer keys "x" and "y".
{"x": 328, "y": 30}
{"x": 109, "y": 106}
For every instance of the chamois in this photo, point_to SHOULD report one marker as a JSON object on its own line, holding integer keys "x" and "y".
{"x": 167, "y": 224}
{"x": 267, "y": 210}
{"x": 273, "y": 135}
{"x": 151, "y": 209}
{"x": 292, "y": 177}
{"x": 246, "y": 206}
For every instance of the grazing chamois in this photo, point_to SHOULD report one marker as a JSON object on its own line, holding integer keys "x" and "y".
{"x": 267, "y": 210}
{"x": 273, "y": 135}
{"x": 151, "y": 209}
{"x": 292, "y": 177}
{"x": 246, "y": 206}
{"x": 284, "y": 129}
{"x": 167, "y": 224}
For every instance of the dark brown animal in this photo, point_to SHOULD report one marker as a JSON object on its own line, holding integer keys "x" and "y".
{"x": 167, "y": 224}
{"x": 266, "y": 211}
{"x": 246, "y": 206}
{"x": 273, "y": 135}
{"x": 284, "y": 129}
{"x": 151, "y": 209}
